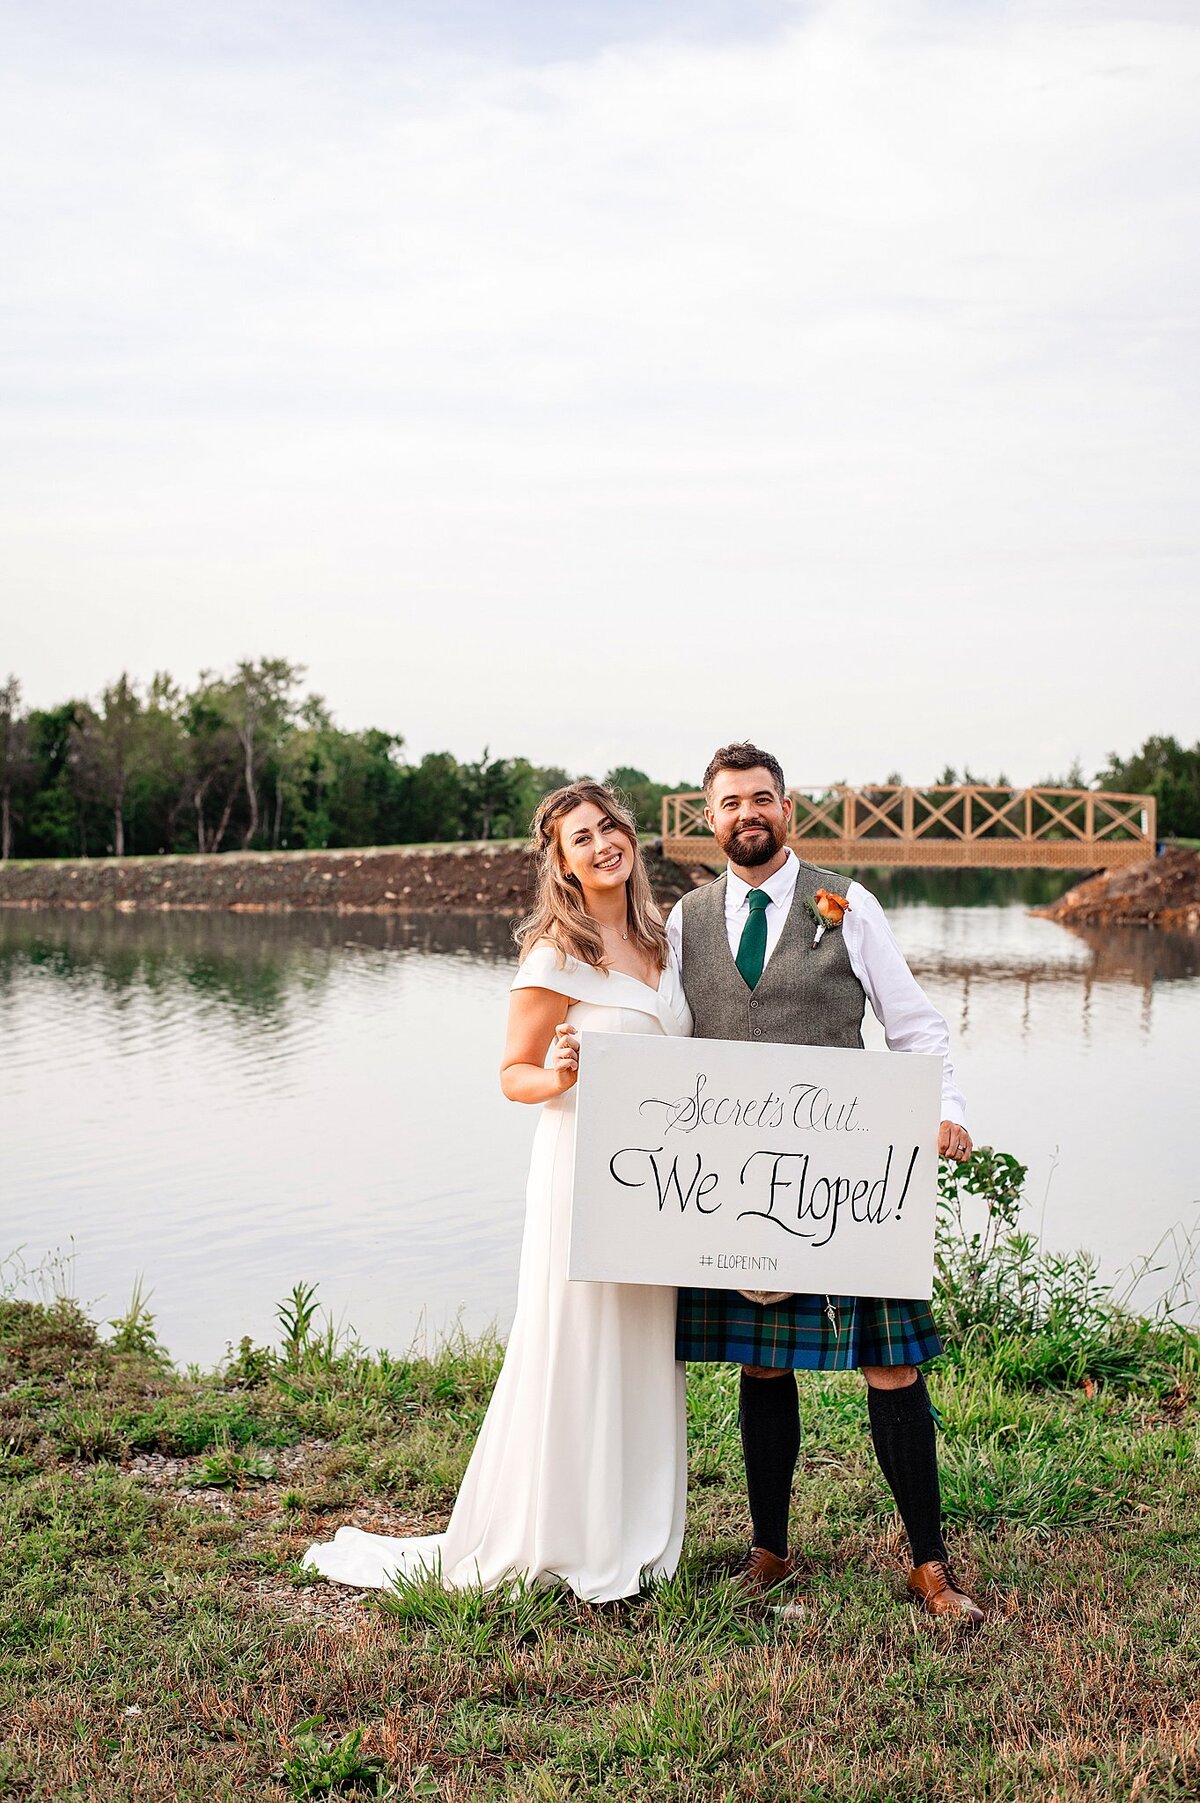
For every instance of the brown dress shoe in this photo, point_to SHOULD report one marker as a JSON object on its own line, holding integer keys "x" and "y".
{"x": 760, "y": 1571}
{"x": 934, "y": 1586}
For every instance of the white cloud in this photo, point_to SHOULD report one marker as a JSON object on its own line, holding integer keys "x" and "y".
{"x": 835, "y": 385}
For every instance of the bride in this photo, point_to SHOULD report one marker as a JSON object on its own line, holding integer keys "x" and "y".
{"x": 580, "y": 1469}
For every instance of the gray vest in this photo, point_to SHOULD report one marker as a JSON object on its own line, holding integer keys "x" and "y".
{"x": 807, "y": 995}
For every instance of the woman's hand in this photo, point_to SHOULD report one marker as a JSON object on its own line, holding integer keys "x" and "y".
{"x": 564, "y": 1055}
{"x": 954, "y": 1142}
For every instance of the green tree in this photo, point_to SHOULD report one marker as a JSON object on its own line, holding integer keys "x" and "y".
{"x": 431, "y": 806}
{"x": 369, "y": 781}
{"x": 259, "y": 705}
{"x": 490, "y": 793}
{"x": 530, "y": 783}
{"x": 109, "y": 749}
{"x": 157, "y": 793}
{"x": 52, "y": 824}
{"x": 644, "y": 794}
{"x": 350, "y": 787}
{"x": 1171, "y": 773}
{"x": 212, "y": 775}
{"x": 16, "y": 762}
{"x": 306, "y": 773}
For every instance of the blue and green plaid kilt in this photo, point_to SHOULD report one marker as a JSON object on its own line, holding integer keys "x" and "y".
{"x": 870, "y": 1330}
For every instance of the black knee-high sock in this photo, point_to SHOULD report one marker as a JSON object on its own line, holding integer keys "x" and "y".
{"x": 770, "y": 1421}
{"x": 906, "y": 1446}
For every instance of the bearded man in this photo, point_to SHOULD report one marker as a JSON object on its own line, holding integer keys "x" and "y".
{"x": 752, "y": 971}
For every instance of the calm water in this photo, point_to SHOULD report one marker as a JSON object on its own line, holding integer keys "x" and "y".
{"x": 229, "y": 1104}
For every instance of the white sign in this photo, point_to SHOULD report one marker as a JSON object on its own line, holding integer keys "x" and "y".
{"x": 740, "y": 1166}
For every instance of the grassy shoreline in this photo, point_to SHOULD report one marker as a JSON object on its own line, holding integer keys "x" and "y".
{"x": 160, "y": 1640}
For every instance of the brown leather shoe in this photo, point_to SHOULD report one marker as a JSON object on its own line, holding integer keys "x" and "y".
{"x": 934, "y": 1586}
{"x": 759, "y": 1571}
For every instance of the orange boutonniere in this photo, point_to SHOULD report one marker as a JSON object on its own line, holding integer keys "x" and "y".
{"x": 830, "y": 910}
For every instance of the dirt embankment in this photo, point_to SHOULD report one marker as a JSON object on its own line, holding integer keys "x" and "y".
{"x": 1162, "y": 892}
{"x": 474, "y": 878}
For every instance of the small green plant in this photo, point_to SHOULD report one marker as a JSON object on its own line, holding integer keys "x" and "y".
{"x": 229, "y": 1467}
{"x": 52, "y": 1279}
{"x": 250, "y": 1365}
{"x": 295, "y": 1315}
{"x": 320, "y": 1767}
{"x": 997, "y": 1180}
{"x": 992, "y": 1276}
{"x": 134, "y": 1330}
{"x": 333, "y": 1346}
{"x": 90, "y": 1432}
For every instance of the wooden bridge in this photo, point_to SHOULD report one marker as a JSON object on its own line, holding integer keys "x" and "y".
{"x": 968, "y": 826}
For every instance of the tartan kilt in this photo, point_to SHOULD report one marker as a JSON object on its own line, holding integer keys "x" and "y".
{"x": 871, "y": 1330}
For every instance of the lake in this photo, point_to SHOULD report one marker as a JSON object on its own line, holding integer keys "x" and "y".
{"x": 230, "y": 1104}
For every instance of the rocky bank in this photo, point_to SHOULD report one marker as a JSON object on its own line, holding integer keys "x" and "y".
{"x": 475, "y": 878}
{"x": 1162, "y": 892}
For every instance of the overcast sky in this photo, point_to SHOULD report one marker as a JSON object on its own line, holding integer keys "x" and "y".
{"x": 601, "y": 381}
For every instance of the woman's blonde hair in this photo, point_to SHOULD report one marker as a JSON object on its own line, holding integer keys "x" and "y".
{"x": 558, "y": 911}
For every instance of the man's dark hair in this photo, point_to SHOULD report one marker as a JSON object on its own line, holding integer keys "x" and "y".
{"x": 744, "y": 756}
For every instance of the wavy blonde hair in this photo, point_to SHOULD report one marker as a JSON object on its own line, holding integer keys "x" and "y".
{"x": 558, "y": 911}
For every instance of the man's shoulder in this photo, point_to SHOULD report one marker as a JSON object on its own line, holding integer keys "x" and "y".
{"x": 705, "y": 893}
{"x": 817, "y": 877}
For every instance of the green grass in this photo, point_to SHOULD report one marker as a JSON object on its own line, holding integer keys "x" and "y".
{"x": 158, "y": 1639}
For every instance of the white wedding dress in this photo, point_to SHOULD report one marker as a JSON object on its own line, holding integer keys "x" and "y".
{"x": 580, "y": 1469}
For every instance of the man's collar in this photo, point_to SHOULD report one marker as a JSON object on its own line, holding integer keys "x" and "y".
{"x": 779, "y": 885}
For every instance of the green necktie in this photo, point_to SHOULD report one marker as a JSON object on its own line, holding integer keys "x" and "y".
{"x": 752, "y": 946}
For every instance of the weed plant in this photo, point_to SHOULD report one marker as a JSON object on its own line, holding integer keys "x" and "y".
{"x": 160, "y": 1640}
{"x": 227, "y": 1466}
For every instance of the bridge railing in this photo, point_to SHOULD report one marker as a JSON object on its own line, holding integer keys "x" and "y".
{"x": 962, "y": 823}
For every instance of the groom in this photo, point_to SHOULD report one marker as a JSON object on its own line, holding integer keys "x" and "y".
{"x": 751, "y": 971}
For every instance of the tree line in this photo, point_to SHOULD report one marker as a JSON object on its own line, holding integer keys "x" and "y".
{"x": 248, "y": 759}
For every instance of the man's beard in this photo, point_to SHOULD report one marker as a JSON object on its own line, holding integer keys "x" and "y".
{"x": 748, "y": 848}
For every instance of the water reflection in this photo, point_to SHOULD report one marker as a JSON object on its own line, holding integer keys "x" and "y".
{"x": 250, "y": 960}
{"x": 226, "y": 950}
{"x": 1142, "y": 955}
{"x": 1033, "y": 953}
{"x": 262, "y": 974}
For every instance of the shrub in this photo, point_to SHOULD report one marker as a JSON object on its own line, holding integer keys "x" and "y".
{"x": 1045, "y": 1317}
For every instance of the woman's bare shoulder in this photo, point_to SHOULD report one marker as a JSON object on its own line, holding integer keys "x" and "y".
{"x": 545, "y": 965}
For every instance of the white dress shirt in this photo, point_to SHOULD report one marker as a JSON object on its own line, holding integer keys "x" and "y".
{"x": 909, "y": 1019}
